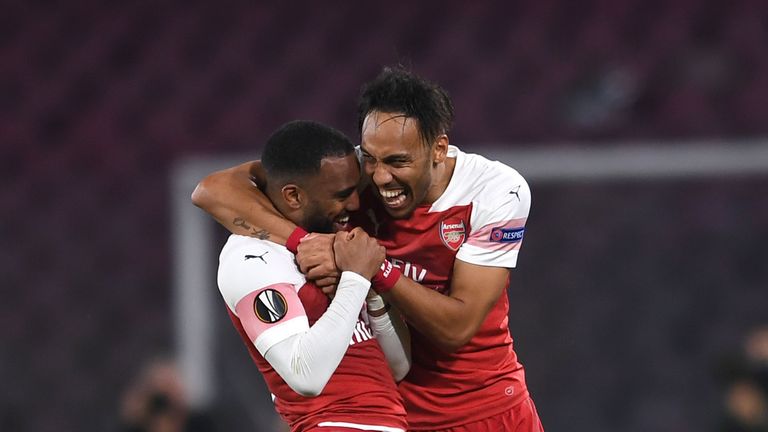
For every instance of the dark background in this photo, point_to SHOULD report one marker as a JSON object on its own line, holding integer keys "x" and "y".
{"x": 627, "y": 293}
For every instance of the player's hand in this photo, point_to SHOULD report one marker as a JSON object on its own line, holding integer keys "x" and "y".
{"x": 316, "y": 259}
{"x": 327, "y": 284}
{"x": 356, "y": 251}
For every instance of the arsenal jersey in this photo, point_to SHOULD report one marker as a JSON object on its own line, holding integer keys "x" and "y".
{"x": 479, "y": 219}
{"x": 269, "y": 300}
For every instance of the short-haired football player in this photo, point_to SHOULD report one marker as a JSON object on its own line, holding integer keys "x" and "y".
{"x": 328, "y": 363}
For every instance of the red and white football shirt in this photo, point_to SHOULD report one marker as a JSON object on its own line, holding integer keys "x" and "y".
{"x": 269, "y": 301}
{"x": 479, "y": 219}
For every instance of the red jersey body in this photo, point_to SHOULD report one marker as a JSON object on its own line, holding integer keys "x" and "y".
{"x": 479, "y": 219}
{"x": 361, "y": 391}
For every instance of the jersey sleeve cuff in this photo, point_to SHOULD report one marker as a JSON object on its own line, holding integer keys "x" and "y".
{"x": 489, "y": 258}
{"x": 354, "y": 277}
{"x": 268, "y": 338}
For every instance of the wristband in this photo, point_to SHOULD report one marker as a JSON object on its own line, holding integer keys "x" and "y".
{"x": 386, "y": 278}
{"x": 292, "y": 244}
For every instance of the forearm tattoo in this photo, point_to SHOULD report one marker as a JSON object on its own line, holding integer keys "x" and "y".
{"x": 260, "y": 234}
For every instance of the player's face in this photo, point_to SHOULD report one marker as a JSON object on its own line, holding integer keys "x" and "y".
{"x": 332, "y": 194}
{"x": 397, "y": 161}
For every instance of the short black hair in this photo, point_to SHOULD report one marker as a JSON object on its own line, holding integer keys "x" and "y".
{"x": 296, "y": 149}
{"x": 397, "y": 90}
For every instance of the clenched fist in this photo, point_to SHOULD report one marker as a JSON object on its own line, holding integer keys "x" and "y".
{"x": 315, "y": 260}
{"x": 357, "y": 252}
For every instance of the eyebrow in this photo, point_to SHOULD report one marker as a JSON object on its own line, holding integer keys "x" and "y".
{"x": 401, "y": 157}
{"x": 398, "y": 157}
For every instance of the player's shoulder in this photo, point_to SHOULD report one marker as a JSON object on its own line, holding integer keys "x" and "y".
{"x": 490, "y": 174}
{"x": 482, "y": 182}
{"x": 247, "y": 264}
{"x": 243, "y": 248}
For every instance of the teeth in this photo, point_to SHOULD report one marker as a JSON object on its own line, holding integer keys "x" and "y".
{"x": 393, "y": 198}
{"x": 390, "y": 193}
{"x": 343, "y": 220}
{"x": 397, "y": 201}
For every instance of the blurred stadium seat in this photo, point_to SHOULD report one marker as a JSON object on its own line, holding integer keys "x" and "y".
{"x": 97, "y": 100}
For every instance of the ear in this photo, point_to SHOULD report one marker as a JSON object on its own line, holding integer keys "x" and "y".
{"x": 294, "y": 196}
{"x": 440, "y": 149}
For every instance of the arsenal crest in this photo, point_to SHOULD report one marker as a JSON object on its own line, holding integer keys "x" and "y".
{"x": 453, "y": 232}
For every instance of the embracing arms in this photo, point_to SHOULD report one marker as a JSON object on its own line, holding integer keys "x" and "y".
{"x": 451, "y": 320}
{"x": 233, "y": 198}
{"x": 262, "y": 295}
{"x": 307, "y": 361}
{"x": 448, "y": 320}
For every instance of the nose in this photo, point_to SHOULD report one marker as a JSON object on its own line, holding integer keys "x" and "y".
{"x": 381, "y": 175}
{"x": 353, "y": 202}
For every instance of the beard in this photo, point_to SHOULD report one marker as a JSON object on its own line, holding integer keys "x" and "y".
{"x": 316, "y": 221}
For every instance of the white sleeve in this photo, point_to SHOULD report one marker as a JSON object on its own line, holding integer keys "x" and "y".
{"x": 306, "y": 361}
{"x": 394, "y": 339}
{"x": 498, "y": 221}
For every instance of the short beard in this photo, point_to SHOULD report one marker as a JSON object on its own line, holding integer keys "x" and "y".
{"x": 316, "y": 222}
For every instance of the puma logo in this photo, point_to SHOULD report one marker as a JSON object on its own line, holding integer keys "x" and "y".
{"x": 261, "y": 257}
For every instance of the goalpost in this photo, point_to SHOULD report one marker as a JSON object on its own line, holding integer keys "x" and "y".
{"x": 195, "y": 260}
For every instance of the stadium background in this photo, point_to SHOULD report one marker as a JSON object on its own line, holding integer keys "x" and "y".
{"x": 628, "y": 292}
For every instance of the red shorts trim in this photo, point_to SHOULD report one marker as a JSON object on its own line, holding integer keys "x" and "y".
{"x": 521, "y": 418}
{"x": 339, "y": 429}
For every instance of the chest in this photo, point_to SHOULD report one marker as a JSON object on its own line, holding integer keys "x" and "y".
{"x": 424, "y": 246}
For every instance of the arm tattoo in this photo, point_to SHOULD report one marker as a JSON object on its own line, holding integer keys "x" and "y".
{"x": 261, "y": 234}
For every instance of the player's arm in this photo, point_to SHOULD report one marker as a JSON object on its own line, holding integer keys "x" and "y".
{"x": 274, "y": 319}
{"x": 480, "y": 271}
{"x": 450, "y": 321}
{"x": 306, "y": 361}
{"x": 232, "y": 197}
{"x": 391, "y": 333}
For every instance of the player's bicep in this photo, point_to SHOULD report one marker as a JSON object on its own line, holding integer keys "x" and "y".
{"x": 478, "y": 287}
{"x": 271, "y": 315}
